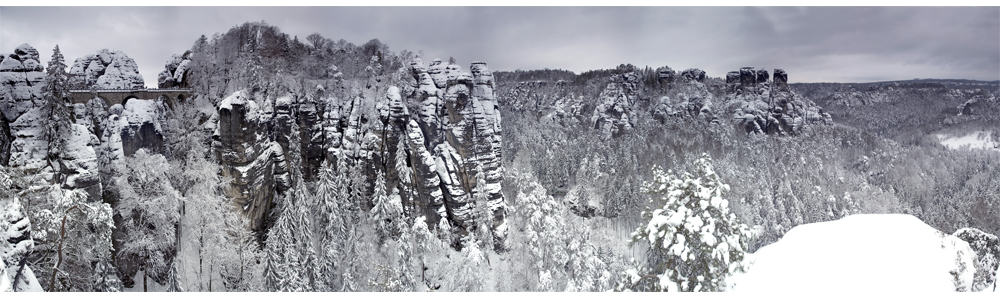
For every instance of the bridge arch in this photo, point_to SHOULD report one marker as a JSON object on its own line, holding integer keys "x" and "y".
{"x": 125, "y": 100}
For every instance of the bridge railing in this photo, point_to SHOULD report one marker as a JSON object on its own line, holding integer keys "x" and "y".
{"x": 133, "y": 90}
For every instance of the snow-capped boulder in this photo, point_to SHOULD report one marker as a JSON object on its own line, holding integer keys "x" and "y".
{"x": 868, "y": 253}
{"x": 105, "y": 70}
{"x": 780, "y": 79}
{"x": 11, "y": 64}
{"x": 25, "y": 52}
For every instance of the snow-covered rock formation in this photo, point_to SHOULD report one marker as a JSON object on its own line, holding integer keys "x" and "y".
{"x": 762, "y": 105}
{"x": 21, "y": 80}
{"x": 105, "y": 70}
{"x": 460, "y": 122}
{"x": 249, "y": 156}
{"x": 15, "y": 244}
{"x": 175, "y": 72}
{"x": 613, "y": 113}
{"x": 869, "y": 253}
{"x": 450, "y": 141}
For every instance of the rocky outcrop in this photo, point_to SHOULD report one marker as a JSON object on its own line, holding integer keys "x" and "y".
{"x": 78, "y": 166}
{"x": 16, "y": 243}
{"x": 21, "y": 82}
{"x": 142, "y": 121}
{"x": 28, "y": 149}
{"x": 254, "y": 162}
{"x": 459, "y": 127}
{"x": 105, "y": 70}
{"x": 175, "y": 72}
{"x": 757, "y": 106}
{"x": 694, "y": 74}
{"x": 613, "y": 114}
{"x": 20, "y": 86}
{"x": 666, "y": 75}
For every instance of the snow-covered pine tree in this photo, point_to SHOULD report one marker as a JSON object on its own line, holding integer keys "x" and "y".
{"x": 387, "y": 212}
{"x": 305, "y": 233}
{"x": 695, "y": 241}
{"x": 405, "y": 175}
{"x": 588, "y": 272}
{"x": 57, "y": 119}
{"x": 106, "y": 278}
{"x": 546, "y": 233}
{"x": 483, "y": 215}
{"x": 329, "y": 192}
{"x": 275, "y": 268}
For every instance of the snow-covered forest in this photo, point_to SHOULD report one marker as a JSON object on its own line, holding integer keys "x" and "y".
{"x": 274, "y": 163}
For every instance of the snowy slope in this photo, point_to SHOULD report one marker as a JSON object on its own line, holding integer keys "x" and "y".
{"x": 860, "y": 253}
{"x": 974, "y": 140}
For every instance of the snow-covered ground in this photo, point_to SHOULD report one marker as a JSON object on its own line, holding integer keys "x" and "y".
{"x": 974, "y": 140}
{"x": 870, "y": 253}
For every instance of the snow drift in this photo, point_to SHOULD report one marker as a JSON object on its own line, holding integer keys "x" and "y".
{"x": 861, "y": 253}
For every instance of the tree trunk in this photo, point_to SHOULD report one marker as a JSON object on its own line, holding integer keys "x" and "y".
{"x": 62, "y": 238}
{"x": 145, "y": 285}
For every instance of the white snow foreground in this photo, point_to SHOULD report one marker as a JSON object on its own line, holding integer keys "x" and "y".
{"x": 860, "y": 253}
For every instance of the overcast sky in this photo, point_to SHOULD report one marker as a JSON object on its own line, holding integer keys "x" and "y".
{"x": 813, "y": 44}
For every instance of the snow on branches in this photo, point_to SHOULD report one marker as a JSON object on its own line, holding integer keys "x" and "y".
{"x": 695, "y": 242}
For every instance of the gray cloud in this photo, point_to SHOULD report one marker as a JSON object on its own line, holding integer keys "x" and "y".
{"x": 840, "y": 44}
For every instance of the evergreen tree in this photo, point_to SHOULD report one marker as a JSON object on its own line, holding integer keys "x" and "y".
{"x": 275, "y": 270}
{"x": 405, "y": 174}
{"x": 330, "y": 191}
{"x": 55, "y": 97}
{"x": 695, "y": 241}
{"x": 387, "y": 212}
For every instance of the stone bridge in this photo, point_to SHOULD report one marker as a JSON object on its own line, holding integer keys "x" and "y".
{"x": 120, "y": 96}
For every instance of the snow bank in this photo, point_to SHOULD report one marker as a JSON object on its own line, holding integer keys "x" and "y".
{"x": 861, "y": 253}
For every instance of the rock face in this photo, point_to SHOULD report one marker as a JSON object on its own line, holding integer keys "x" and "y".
{"x": 105, "y": 70}
{"x": 21, "y": 93}
{"x": 987, "y": 260}
{"x": 20, "y": 84}
{"x": 457, "y": 135}
{"x": 759, "y": 107}
{"x": 445, "y": 128}
{"x": 254, "y": 162}
{"x": 15, "y": 245}
{"x": 175, "y": 72}
{"x": 694, "y": 74}
{"x": 613, "y": 113}
{"x": 78, "y": 167}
